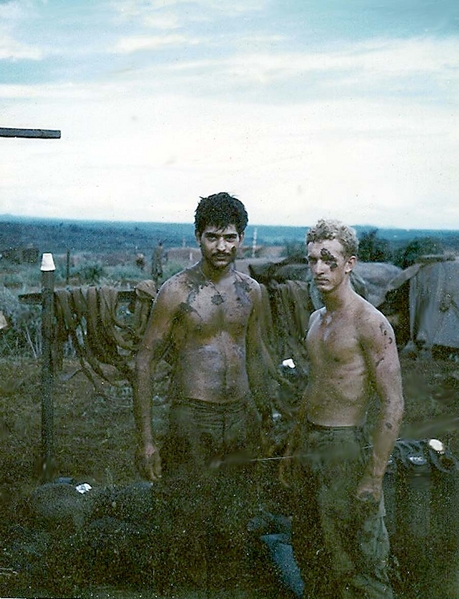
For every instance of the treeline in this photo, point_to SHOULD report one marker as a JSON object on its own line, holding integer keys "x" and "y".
{"x": 399, "y": 249}
{"x": 374, "y": 248}
{"x": 58, "y": 237}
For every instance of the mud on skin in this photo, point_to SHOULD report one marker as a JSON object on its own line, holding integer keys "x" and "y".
{"x": 329, "y": 257}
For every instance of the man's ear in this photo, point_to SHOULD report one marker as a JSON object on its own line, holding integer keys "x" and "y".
{"x": 350, "y": 263}
{"x": 197, "y": 236}
{"x": 241, "y": 237}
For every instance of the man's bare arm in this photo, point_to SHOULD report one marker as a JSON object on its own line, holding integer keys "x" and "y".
{"x": 152, "y": 349}
{"x": 380, "y": 350}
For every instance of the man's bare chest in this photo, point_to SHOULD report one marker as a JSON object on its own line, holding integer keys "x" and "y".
{"x": 212, "y": 309}
{"x": 333, "y": 340}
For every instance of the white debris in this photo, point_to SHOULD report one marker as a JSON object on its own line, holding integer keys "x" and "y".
{"x": 289, "y": 362}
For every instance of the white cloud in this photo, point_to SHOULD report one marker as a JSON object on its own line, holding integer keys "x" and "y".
{"x": 166, "y": 21}
{"x": 12, "y": 11}
{"x": 171, "y": 14}
{"x": 11, "y": 49}
{"x": 131, "y": 44}
{"x": 12, "y": 16}
{"x": 137, "y": 8}
{"x": 231, "y": 8}
{"x": 381, "y": 58}
{"x": 422, "y": 66}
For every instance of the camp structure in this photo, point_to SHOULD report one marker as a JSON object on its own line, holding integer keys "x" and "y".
{"x": 434, "y": 305}
{"x": 425, "y": 300}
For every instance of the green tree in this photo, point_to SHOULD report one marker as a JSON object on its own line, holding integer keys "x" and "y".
{"x": 294, "y": 249}
{"x": 373, "y": 249}
{"x": 420, "y": 246}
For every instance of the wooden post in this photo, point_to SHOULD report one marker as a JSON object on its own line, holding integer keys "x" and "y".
{"x": 47, "y": 327}
{"x": 67, "y": 269}
{"x": 30, "y": 133}
{"x": 47, "y": 381}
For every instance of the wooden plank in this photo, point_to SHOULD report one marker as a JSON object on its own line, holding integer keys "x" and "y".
{"x": 124, "y": 296}
{"x": 30, "y": 298}
{"x": 30, "y": 133}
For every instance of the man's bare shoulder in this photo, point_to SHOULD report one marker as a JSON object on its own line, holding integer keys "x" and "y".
{"x": 364, "y": 309}
{"x": 247, "y": 281}
{"x": 316, "y": 316}
{"x": 180, "y": 284}
{"x": 370, "y": 322}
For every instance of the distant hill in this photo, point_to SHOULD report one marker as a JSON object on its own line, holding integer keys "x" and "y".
{"x": 57, "y": 236}
{"x": 52, "y": 235}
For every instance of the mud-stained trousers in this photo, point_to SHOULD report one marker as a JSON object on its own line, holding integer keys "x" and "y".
{"x": 213, "y": 485}
{"x": 340, "y": 543}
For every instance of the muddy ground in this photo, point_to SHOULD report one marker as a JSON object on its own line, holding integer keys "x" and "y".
{"x": 94, "y": 443}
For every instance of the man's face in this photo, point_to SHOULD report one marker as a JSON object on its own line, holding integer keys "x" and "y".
{"x": 328, "y": 264}
{"x": 219, "y": 246}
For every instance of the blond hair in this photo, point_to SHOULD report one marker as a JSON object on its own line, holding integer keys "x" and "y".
{"x": 334, "y": 229}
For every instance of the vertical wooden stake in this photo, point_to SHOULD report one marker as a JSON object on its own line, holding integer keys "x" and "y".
{"x": 47, "y": 380}
{"x": 67, "y": 269}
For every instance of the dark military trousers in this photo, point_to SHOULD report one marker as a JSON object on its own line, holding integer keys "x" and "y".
{"x": 340, "y": 543}
{"x": 213, "y": 484}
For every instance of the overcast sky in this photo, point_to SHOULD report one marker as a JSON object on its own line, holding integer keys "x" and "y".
{"x": 301, "y": 108}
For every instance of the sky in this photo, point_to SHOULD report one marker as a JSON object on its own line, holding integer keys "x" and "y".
{"x": 302, "y": 109}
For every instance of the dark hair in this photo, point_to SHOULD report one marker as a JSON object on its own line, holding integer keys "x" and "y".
{"x": 220, "y": 210}
{"x": 334, "y": 229}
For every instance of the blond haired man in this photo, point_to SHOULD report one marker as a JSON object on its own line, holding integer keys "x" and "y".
{"x": 339, "y": 536}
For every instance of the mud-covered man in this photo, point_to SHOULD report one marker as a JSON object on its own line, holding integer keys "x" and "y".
{"x": 207, "y": 318}
{"x": 339, "y": 536}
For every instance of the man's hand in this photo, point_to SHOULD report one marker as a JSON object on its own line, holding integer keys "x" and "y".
{"x": 369, "y": 489}
{"x": 149, "y": 462}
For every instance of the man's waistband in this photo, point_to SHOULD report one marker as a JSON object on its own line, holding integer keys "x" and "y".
{"x": 321, "y": 427}
{"x": 227, "y": 406}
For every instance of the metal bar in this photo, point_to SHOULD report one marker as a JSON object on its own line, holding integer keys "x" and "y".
{"x": 30, "y": 133}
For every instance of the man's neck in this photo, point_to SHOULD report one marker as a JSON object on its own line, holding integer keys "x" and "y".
{"x": 338, "y": 298}
{"x": 215, "y": 274}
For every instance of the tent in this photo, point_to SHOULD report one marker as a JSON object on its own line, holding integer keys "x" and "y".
{"x": 422, "y": 303}
{"x": 434, "y": 305}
